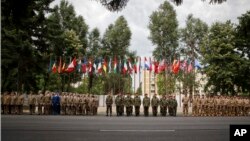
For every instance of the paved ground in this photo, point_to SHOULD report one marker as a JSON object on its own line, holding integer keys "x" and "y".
{"x": 97, "y": 128}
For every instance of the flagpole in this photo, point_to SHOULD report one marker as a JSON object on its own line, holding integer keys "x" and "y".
{"x": 134, "y": 82}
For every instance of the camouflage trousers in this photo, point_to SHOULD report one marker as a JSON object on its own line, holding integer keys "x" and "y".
{"x": 163, "y": 110}
{"x": 129, "y": 110}
{"x": 194, "y": 110}
{"x": 146, "y": 110}
{"x": 109, "y": 110}
{"x": 185, "y": 109}
{"x": 154, "y": 109}
{"x": 137, "y": 110}
{"x": 40, "y": 109}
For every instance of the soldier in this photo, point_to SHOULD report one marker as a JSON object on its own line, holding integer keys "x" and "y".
{"x": 194, "y": 102}
{"x": 83, "y": 104}
{"x": 137, "y": 104}
{"x": 13, "y": 103}
{"x": 2, "y": 107}
{"x": 32, "y": 103}
{"x": 185, "y": 102}
{"x": 175, "y": 104}
{"x": 95, "y": 105}
{"x": 118, "y": 103}
{"x": 40, "y": 102}
{"x": 78, "y": 104}
{"x": 154, "y": 103}
{"x": 20, "y": 101}
{"x": 203, "y": 105}
{"x": 211, "y": 106}
{"x": 129, "y": 104}
{"x": 47, "y": 103}
{"x": 87, "y": 104}
{"x": 63, "y": 100}
{"x": 91, "y": 104}
{"x": 122, "y": 104}
{"x": 146, "y": 104}
{"x": 163, "y": 105}
{"x": 109, "y": 102}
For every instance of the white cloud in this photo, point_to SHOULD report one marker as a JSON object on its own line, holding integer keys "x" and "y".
{"x": 137, "y": 14}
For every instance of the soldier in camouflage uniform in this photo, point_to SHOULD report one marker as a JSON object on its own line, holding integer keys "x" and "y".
{"x": 146, "y": 104}
{"x": 122, "y": 103}
{"x": 154, "y": 104}
{"x": 40, "y": 102}
{"x": 194, "y": 101}
{"x": 185, "y": 101}
{"x": 129, "y": 104}
{"x": 109, "y": 102}
{"x": 63, "y": 103}
{"x": 47, "y": 103}
{"x": 118, "y": 103}
{"x": 13, "y": 102}
{"x": 83, "y": 104}
{"x": 95, "y": 105}
{"x": 163, "y": 105}
{"x": 32, "y": 103}
{"x": 137, "y": 104}
{"x": 20, "y": 101}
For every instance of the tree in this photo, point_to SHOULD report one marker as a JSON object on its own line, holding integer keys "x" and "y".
{"x": 23, "y": 43}
{"x": 163, "y": 32}
{"x": 94, "y": 43}
{"x": 218, "y": 50}
{"x": 192, "y": 36}
{"x": 243, "y": 47}
{"x": 117, "y": 5}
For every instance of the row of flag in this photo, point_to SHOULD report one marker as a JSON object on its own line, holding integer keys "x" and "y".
{"x": 125, "y": 66}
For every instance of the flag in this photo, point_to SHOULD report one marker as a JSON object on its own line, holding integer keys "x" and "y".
{"x": 110, "y": 65}
{"x": 63, "y": 67}
{"x": 90, "y": 66}
{"x": 60, "y": 65}
{"x": 125, "y": 67}
{"x": 54, "y": 70}
{"x": 104, "y": 66}
{"x": 156, "y": 64}
{"x": 84, "y": 66}
{"x": 150, "y": 64}
{"x": 135, "y": 65}
{"x": 162, "y": 66}
{"x": 197, "y": 64}
{"x": 115, "y": 65}
{"x": 50, "y": 64}
{"x": 140, "y": 64}
{"x": 184, "y": 65}
{"x": 190, "y": 67}
{"x": 130, "y": 66}
{"x": 79, "y": 65}
{"x": 176, "y": 66}
{"x": 99, "y": 67}
{"x": 146, "y": 64}
{"x": 71, "y": 66}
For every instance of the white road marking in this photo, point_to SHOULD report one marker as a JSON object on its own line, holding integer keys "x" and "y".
{"x": 137, "y": 130}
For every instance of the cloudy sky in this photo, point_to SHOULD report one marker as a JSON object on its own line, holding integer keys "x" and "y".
{"x": 137, "y": 14}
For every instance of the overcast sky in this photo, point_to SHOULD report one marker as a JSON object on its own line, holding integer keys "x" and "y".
{"x": 137, "y": 14}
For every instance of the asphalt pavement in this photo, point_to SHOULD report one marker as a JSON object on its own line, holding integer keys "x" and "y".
{"x": 98, "y": 128}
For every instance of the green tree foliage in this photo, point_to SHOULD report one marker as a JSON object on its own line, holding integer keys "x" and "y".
{"x": 191, "y": 37}
{"x": 243, "y": 47}
{"x": 163, "y": 32}
{"x": 166, "y": 86}
{"x": 94, "y": 43}
{"x": 222, "y": 60}
{"x": 23, "y": 41}
{"x": 116, "y": 39}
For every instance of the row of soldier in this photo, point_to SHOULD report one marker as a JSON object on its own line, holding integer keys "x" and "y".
{"x": 50, "y": 103}
{"x": 166, "y": 104}
{"x": 217, "y": 105}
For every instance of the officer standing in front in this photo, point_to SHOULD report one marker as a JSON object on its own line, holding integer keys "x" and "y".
{"x": 109, "y": 102}
{"x": 137, "y": 103}
{"x": 154, "y": 103}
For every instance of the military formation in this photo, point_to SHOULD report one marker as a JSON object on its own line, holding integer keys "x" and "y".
{"x": 67, "y": 103}
{"x": 50, "y": 103}
{"x": 167, "y": 104}
{"x": 217, "y": 105}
